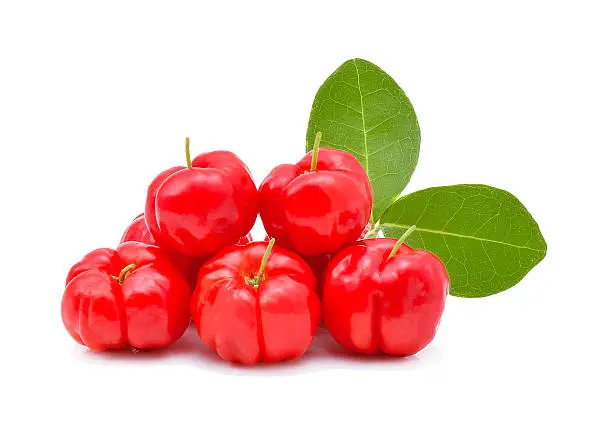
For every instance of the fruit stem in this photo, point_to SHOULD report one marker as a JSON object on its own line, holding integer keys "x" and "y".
{"x": 401, "y": 241}
{"x": 188, "y": 152}
{"x": 315, "y": 152}
{"x": 124, "y": 273}
{"x": 262, "y": 267}
{"x": 256, "y": 281}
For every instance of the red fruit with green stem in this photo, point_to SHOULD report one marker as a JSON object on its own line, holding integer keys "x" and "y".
{"x": 319, "y": 205}
{"x": 380, "y": 295}
{"x": 130, "y": 297}
{"x": 256, "y": 303}
{"x": 199, "y": 209}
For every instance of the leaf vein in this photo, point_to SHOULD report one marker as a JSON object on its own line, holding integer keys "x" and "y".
{"x": 444, "y": 233}
{"x": 345, "y": 105}
{"x": 383, "y": 122}
{"x": 365, "y": 134}
{"x": 345, "y": 125}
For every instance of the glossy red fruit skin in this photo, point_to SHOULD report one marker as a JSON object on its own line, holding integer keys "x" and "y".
{"x": 319, "y": 212}
{"x": 373, "y": 304}
{"x": 243, "y": 324}
{"x": 197, "y": 211}
{"x": 149, "y": 310}
{"x": 138, "y": 231}
{"x": 189, "y": 267}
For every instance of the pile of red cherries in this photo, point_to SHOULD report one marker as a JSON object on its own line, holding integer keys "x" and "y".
{"x": 190, "y": 256}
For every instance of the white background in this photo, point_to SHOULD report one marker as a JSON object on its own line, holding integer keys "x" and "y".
{"x": 95, "y": 100}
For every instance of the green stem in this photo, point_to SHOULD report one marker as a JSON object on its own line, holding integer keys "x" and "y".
{"x": 401, "y": 241}
{"x": 264, "y": 260}
{"x": 255, "y": 282}
{"x": 124, "y": 273}
{"x": 315, "y": 152}
{"x": 188, "y": 152}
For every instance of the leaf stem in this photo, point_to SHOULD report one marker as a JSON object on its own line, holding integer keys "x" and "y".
{"x": 373, "y": 232}
{"x": 401, "y": 241}
{"x": 315, "y": 152}
{"x": 188, "y": 152}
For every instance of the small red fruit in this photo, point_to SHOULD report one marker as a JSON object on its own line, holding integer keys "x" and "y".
{"x": 382, "y": 296}
{"x": 256, "y": 304}
{"x": 138, "y": 231}
{"x": 319, "y": 205}
{"x": 199, "y": 209}
{"x": 129, "y": 297}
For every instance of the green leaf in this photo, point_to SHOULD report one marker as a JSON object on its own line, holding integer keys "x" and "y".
{"x": 484, "y": 235}
{"x": 361, "y": 110}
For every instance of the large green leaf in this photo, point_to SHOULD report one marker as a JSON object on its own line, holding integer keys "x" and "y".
{"x": 361, "y": 110}
{"x": 485, "y": 236}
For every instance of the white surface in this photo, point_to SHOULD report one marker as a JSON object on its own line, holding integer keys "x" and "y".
{"x": 95, "y": 100}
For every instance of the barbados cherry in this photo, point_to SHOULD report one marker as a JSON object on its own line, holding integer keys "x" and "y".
{"x": 199, "y": 209}
{"x": 380, "y": 295}
{"x": 256, "y": 304}
{"x": 138, "y": 231}
{"x": 129, "y": 297}
{"x": 318, "y": 205}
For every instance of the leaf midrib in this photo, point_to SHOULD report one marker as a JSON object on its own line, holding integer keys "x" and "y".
{"x": 363, "y": 127}
{"x": 445, "y": 233}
